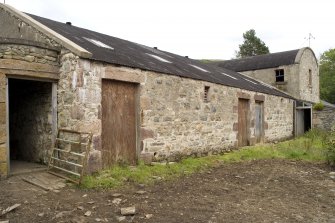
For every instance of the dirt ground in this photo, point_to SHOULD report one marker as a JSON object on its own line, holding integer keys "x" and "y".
{"x": 257, "y": 191}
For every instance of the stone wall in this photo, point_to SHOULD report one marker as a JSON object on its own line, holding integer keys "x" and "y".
{"x": 175, "y": 120}
{"x": 3, "y": 132}
{"x": 290, "y": 84}
{"x": 79, "y": 100}
{"x": 79, "y": 96}
{"x": 278, "y": 118}
{"x": 309, "y": 91}
{"x": 14, "y": 28}
{"x": 324, "y": 119}
{"x": 30, "y": 54}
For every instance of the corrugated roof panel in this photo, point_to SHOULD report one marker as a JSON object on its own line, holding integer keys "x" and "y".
{"x": 131, "y": 54}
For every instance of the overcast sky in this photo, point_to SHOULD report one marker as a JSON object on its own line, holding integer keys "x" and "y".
{"x": 210, "y": 29}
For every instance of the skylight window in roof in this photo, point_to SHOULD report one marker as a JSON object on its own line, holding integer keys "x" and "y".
{"x": 250, "y": 81}
{"x": 99, "y": 43}
{"x": 199, "y": 68}
{"x": 158, "y": 58}
{"x": 229, "y": 76}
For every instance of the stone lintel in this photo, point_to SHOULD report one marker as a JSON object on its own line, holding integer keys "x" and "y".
{"x": 258, "y": 97}
{"x": 22, "y": 74}
{"x": 27, "y": 69}
{"x": 243, "y": 95}
{"x": 123, "y": 75}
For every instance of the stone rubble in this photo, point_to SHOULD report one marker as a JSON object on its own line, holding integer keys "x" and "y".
{"x": 128, "y": 211}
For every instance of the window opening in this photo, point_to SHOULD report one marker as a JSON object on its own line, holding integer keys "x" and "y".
{"x": 280, "y": 75}
{"x": 206, "y": 90}
{"x": 310, "y": 77}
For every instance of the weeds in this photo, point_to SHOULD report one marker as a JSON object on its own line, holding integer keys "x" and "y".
{"x": 330, "y": 148}
{"x": 319, "y": 106}
{"x": 310, "y": 147}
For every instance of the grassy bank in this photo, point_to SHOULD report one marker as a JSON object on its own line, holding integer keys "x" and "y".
{"x": 309, "y": 147}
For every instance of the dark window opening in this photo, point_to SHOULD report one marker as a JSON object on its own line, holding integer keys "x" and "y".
{"x": 280, "y": 75}
{"x": 310, "y": 77}
{"x": 206, "y": 99}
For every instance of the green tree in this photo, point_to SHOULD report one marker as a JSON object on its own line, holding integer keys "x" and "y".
{"x": 252, "y": 45}
{"x": 327, "y": 76}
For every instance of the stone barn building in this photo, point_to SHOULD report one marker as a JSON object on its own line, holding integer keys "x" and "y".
{"x": 133, "y": 98}
{"x": 295, "y": 72}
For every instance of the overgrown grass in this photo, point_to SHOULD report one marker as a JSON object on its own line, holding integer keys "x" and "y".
{"x": 330, "y": 148}
{"x": 310, "y": 147}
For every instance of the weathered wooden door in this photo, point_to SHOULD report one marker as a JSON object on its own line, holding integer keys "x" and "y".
{"x": 259, "y": 129}
{"x": 118, "y": 122}
{"x": 243, "y": 122}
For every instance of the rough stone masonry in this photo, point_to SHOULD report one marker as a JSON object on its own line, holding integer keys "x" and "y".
{"x": 324, "y": 119}
{"x": 3, "y": 135}
{"x": 35, "y": 57}
{"x": 174, "y": 119}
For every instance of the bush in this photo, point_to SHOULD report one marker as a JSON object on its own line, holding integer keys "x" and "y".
{"x": 319, "y": 106}
{"x": 330, "y": 148}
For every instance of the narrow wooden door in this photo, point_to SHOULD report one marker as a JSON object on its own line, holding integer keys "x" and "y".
{"x": 118, "y": 122}
{"x": 259, "y": 129}
{"x": 243, "y": 122}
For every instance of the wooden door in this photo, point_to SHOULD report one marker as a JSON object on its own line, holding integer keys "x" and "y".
{"x": 259, "y": 129}
{"x": 118, "y": 122}
{"x": 243, "y": 122}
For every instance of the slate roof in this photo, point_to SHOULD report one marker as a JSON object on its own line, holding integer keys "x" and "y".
{"x": 327, "y": 104}
{"x": 122, "y": 52}
{"x": 259, "y": 62}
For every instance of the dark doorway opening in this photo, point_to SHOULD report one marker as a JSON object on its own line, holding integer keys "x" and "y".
{"x": 303, "y": 120}
{"x": 307, "y": 120}
{"x": 30, "y": 121}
